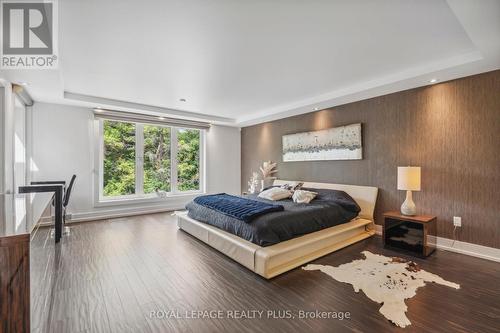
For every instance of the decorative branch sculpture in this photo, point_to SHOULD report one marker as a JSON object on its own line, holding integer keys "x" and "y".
{"x": 268, "y": 169}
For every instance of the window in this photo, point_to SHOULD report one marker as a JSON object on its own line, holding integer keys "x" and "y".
{"x": 119, "y": 158}
{"x": 188, "y": 159}
{"x": 157, "y": 166}
{"x": 137, "y": 160}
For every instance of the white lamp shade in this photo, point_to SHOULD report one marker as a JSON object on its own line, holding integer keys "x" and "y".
{"x": 409, "y": 178}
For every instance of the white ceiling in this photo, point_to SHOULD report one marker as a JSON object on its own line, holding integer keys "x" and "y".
{"x": 241, "y": 62}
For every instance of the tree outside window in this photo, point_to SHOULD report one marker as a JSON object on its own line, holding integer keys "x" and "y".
{"x": 126, "y": 175}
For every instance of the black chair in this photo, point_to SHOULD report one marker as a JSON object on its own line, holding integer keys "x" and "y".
{"x": 67, "y": 191}
{"x": 67, "y": 195}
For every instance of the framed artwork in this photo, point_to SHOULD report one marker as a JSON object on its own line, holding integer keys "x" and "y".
{"x": 338, "y": 143}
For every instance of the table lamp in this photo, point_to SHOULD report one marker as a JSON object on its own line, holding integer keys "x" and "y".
{"x": 408, "y": 180}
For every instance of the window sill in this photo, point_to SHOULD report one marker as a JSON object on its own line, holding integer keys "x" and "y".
{"x": 132, "y": 200}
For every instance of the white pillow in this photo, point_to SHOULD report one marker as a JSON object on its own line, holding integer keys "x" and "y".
{"x": 302, "y": 196}
{"x": 275, "y": 193}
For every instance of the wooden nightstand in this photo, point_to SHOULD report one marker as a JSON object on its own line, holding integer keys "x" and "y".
{"x": 409, "y": 233}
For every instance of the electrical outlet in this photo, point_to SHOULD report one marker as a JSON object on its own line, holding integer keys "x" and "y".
{"x": 457, "y": 221}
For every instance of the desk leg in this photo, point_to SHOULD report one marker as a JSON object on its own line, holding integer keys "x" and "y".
{"x": 58, "y": 214}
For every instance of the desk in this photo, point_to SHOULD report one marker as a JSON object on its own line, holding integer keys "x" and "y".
{"x": 58, "y": 190}
{"x": 19, "y": 220}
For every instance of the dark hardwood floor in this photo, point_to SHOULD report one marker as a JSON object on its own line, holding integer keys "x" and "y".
{"x": 108, "y": 276}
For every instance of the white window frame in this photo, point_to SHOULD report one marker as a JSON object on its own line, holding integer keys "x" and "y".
{"x": 139, "y": 196}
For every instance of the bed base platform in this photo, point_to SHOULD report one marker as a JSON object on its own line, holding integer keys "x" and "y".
{"x": 274, "y": 260}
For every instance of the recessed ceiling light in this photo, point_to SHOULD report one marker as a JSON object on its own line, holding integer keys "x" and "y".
{"x": 433, "y": 80}
{"x": 182, "y": 100}
{"x": 316, "y": 109}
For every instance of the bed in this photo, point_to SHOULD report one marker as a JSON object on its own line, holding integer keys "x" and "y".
{"x": 270, "y": 261}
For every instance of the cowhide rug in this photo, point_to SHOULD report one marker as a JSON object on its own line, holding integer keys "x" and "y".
{"x": 385, "y": 280}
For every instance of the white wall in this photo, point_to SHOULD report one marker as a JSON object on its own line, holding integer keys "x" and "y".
{"x": 223, "y": 160}
{"x": 7, "y": 142}
{"x": 15, "y": 125}
{"x": 20, "y": 151}
{"x": 63, "y": 146}
{"x": 2, "y": 137}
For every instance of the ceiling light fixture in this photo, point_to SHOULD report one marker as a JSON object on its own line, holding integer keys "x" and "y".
{"x": 182, "y": 100}
{"x": 161, "y": 118}
{"x": 98, "y": 109}
{"x": 316, "y": 109}
{"x": 433, "y": 80}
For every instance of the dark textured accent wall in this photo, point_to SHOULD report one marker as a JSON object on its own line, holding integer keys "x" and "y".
{"x": 451, "y": 130}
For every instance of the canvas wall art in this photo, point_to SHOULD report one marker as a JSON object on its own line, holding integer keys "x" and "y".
{"x": 338, "y": 143}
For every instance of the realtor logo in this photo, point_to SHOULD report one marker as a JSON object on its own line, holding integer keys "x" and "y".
{"x": 29, "y": 34}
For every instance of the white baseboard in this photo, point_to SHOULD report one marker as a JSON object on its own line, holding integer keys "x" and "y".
{"x": 469, "y": 249}
{"x": 112, "y": 213}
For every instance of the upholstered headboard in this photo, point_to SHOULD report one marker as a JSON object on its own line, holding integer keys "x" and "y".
{"x": 365, "y": 196}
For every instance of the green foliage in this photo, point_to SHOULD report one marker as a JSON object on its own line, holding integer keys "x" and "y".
{"x": 156, "y": 159}
{"x": 188, "y": 160}
{"x": 119, "y": 158}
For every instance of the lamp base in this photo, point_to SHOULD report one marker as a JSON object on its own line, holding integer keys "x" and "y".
{"x": 408, "y": 207}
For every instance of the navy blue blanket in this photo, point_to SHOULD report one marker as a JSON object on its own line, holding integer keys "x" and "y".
{"x": 240, "y": 208}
